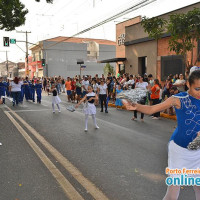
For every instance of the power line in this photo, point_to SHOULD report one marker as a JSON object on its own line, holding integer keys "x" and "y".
{"x": 72, "y": 11}
{"x": 126, "y": 11}
{"x": 64, "y": 6}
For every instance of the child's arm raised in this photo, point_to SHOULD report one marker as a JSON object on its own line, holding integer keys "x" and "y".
{"x": 172, "y": 101}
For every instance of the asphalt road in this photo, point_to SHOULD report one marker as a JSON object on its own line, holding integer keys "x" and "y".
{"x": 124, "y": 159}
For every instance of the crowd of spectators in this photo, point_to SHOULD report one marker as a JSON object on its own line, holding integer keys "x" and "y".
{"x": 108, "y": 87}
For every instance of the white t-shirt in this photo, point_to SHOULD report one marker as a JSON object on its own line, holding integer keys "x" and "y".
{"x": 102, "y": 89}
{"x": 141, "y": 85}
{"x": 86, "y": 84}
{"x": 16, "y": 87}
{"x": 95, "y": 86}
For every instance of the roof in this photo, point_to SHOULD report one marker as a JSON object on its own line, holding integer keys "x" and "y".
{"x": 21, "y": 65}
{"x": 9, "y": 62}
{"x": 112, "y": 60}
{"x": 80, "y": 40}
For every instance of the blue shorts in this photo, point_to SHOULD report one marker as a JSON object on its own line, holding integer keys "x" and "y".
{"x": 69, "y": 92}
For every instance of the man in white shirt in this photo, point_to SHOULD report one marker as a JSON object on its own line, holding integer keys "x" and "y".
{"x": 180, "y": 83}
{"x": 103, "y": 93}
{"x": 85, "y": 84}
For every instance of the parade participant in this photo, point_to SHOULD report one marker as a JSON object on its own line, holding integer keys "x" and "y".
{"x": 55, "y": 98}
{"x": 103, "y": 93}
{"x": 38, "y": 88}
{"x": 26, "y": 89}
{"x": 187, "y": 106}
{"x": 2, "y": 90}
{"x": 16, "y": 90}
{"x": 32, "y": 91}
{"x": 90, "y": 108}
{"x": 7, "y": 88}
{"x": 143, "y": 85}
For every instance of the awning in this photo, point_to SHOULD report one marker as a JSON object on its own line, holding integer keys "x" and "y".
{"x": 112, "y": 60}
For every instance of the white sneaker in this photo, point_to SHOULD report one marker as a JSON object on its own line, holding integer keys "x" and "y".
{"x": 97, "y": 127}
{"x": 59, "y": 111}
{"x": 53, "y": 111}
{"x": 0, "y": 143}
{"x": 86, "y": 130}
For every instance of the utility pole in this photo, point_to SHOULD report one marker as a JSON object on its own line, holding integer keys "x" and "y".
{"x": 7, "y": 63}
{"x": 26, "y": 60}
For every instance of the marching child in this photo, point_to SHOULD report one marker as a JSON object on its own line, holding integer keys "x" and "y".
{"x": 38, "y": 87}
{"x": 90, "y": 108}
{"x": 55, "y": 98}
{"x": 2, "y": 90}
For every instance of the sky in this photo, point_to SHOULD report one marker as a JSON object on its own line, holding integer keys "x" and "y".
{"x": 68, "y": 17}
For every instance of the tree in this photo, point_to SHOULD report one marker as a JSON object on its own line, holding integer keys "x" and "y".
{"x": 12, "y": 14}
{"x": 183, "y": 28}
{"x": 155, "y": 26}
{"x": 108, "y": 69}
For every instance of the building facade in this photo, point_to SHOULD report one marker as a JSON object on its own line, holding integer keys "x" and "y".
{"x": 145, "y": 55}
{"x": 61, "y": 55}
{"x": 8, "y": 69}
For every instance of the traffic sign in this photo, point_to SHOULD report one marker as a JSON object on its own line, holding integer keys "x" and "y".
{"x": 12, "y": 41}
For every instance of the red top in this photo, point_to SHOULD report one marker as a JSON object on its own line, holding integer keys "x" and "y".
{"x": 73, "y": 83}
{"x": 155, "y": 94}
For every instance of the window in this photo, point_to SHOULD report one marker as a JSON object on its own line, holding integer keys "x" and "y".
{"x": 171, "y": 65}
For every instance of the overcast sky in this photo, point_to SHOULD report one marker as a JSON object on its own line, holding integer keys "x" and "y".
{"x": 67, "y": 17}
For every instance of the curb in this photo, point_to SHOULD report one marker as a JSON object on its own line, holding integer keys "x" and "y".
{"x": 164, "y": 115}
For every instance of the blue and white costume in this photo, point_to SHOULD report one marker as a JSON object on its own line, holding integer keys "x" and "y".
{"x": 188, "y": 119}
{"x": 90, "y": 108}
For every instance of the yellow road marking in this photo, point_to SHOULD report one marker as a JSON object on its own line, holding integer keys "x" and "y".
{"x": 65, "y": 184}
{"x": 88, "y": 185}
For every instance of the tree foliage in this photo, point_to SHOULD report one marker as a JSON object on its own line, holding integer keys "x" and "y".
{"x": 108, "y": 69}
{"x": 12, "y": 14}
{"x": 154, "y": 26}
{"x": 184, "y": 29}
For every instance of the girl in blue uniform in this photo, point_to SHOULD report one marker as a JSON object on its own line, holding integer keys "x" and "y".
{"x": 38, "y": 87}
{"x": 32, "y": 91}
{"x": 7, "y": 88}
{"x": 187, "y": 106}
{"x": 2, "y": 90}
{"x": 90, "y": 108}
{"x": 27, "y": 89}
